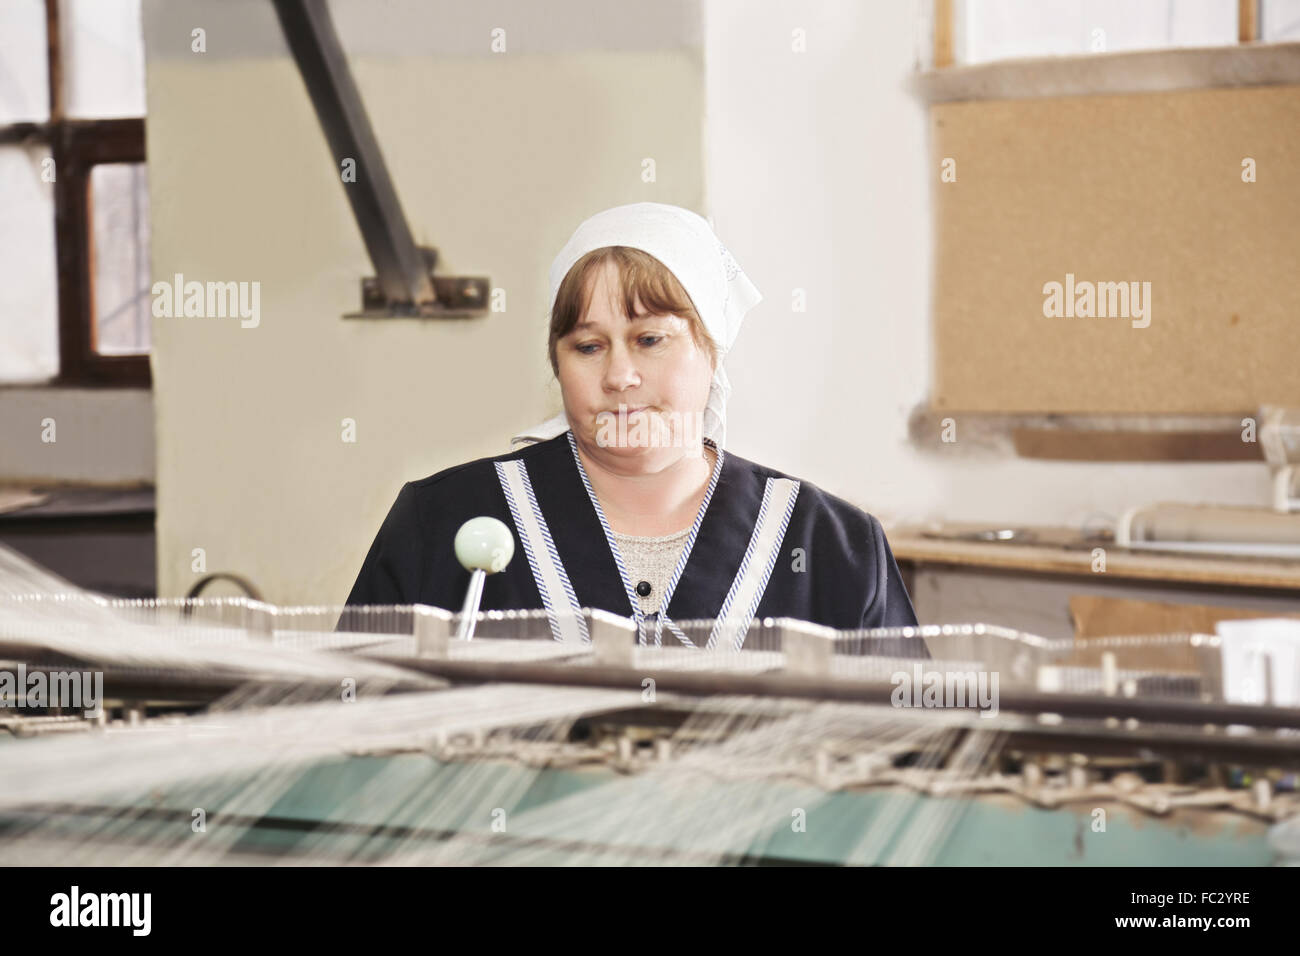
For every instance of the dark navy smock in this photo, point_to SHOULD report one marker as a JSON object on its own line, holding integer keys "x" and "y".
{"x": 832, "y": 566}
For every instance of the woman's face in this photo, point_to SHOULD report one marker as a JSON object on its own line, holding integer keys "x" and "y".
{"x": 633, "y": 388}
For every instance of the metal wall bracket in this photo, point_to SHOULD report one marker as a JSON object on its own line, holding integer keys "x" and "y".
{"x": 456, "y": 296}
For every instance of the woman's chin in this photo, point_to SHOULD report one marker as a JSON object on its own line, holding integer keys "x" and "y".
{"x": 628, "y": 449}
{"x": 641, "y": 431}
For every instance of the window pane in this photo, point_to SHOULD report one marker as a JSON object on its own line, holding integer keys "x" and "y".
{"x": 24, "y": 69}
{"x": 29, "y": 314}
{"x": 1279, "y": 20}
{"x": 119, "y": 211}
{"x": 1007, "y": 29}
{"x": 103, "y": 58}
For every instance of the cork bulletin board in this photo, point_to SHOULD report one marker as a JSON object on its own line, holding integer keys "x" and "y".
{"x": 1142, "y": 188}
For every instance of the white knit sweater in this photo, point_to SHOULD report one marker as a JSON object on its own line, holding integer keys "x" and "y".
{"x": 653, "y": 560}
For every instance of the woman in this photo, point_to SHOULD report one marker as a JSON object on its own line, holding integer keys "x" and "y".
{"x": 628, "y": 500}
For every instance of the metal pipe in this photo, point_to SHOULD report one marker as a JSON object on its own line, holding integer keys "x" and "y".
{"x": 783, "y": 684}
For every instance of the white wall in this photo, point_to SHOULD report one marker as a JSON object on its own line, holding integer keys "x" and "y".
{"x": 819, "y": 178}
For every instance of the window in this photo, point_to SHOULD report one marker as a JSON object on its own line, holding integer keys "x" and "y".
{"x": 74, "y": 298}
{"x": 1005, "y": 29}
{"x": 987, "y": 30}
{"x": 119, "y": 219}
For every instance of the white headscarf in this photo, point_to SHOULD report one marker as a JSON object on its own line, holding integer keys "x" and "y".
{"x": 686, "y": 244}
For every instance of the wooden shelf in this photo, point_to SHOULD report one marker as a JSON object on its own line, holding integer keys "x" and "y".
{"x": 1066, "y": 551}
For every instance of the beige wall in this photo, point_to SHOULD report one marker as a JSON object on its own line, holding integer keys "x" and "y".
{"x": 496, "y": 159}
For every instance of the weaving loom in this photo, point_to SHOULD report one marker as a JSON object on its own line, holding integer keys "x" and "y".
{"x": 236, "y": 732}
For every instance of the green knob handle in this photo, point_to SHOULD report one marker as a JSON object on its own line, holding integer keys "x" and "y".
{"x": 484, "y": 544}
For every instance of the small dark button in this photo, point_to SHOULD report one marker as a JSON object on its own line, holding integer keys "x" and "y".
{"x": 643, "y": 589}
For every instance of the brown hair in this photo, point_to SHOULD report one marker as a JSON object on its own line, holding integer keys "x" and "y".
{"x": 641, "y": 277}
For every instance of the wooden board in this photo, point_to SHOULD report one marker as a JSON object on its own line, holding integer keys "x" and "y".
{"x": 912, "y": 545}
{"x": 1119, "y": 188}
{"x": 1097, "y": 616}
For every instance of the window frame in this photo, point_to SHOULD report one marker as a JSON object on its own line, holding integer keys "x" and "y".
{"x": 76, "y": 147}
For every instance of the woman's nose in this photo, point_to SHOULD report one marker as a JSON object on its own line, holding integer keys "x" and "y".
{"x": 621, "y": 371}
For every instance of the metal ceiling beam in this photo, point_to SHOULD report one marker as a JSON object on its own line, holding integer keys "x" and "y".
{"x": 402, "y": 268}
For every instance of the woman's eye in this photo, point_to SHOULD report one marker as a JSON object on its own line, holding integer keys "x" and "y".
{"x": 648, "y": 341}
